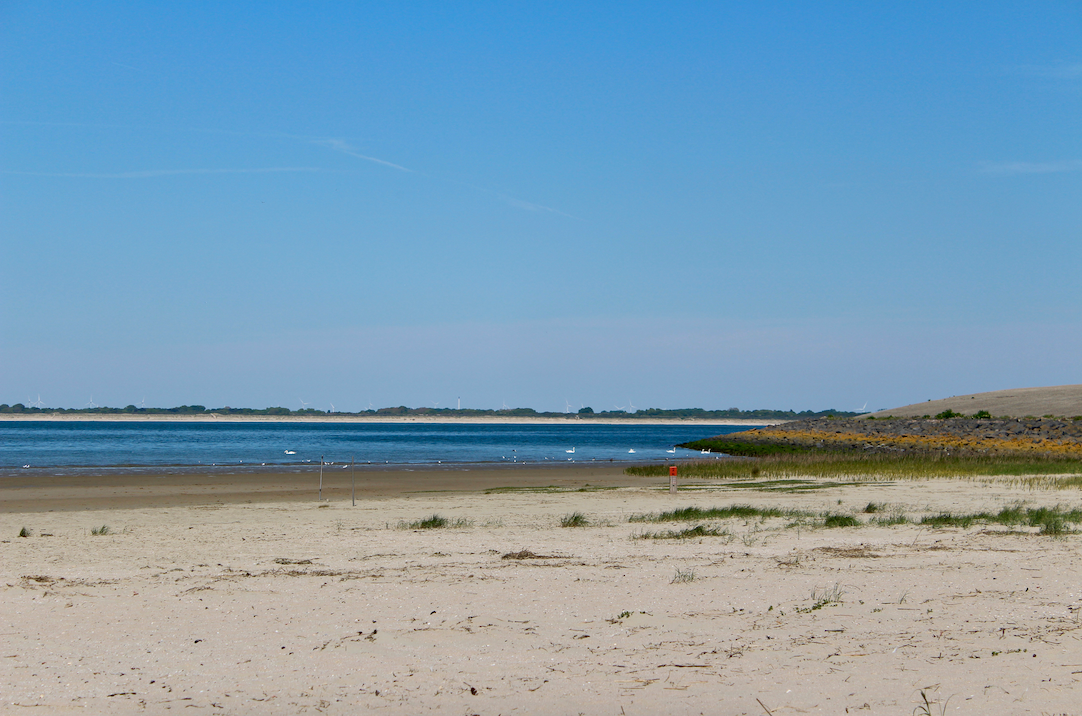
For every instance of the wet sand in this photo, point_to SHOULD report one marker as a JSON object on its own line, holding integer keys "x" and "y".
{"x": 40, "y": 490}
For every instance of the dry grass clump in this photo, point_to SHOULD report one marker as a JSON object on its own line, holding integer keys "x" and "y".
{"x": 682, "y": 576}
{"x": 526, "y": 554}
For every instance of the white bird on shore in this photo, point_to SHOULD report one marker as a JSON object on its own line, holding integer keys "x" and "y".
{"x": 632, "y": 450}
{"x": 27, "y": 465}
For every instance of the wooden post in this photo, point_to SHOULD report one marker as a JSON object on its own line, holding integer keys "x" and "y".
{"x": 321, "y": 478}
{"x": 672, "y": 479}
{"x": 353, "y": 480}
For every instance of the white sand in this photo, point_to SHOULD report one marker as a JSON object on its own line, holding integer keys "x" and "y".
{"x": 185, "y": 607}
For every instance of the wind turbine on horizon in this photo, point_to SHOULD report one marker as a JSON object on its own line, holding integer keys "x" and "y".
{"x": 304, "y": 405}
{"x": 91, "y": 404}
{"x": 567, "y": 406}
{"x": 37, "y": 403}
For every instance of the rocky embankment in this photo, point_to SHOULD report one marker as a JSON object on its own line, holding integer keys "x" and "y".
{"x": 952, "y": 435}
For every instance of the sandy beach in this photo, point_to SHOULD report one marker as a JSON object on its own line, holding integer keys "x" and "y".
{"x": 198, "y": 598}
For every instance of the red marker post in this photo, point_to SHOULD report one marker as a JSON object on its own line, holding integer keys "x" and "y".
{"x": 672, "y": 479}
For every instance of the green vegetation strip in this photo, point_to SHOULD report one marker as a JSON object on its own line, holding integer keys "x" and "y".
{"x": 1051, "y": 520}
{"x": 876, "y": 466}
{"x": 690, "y": 514}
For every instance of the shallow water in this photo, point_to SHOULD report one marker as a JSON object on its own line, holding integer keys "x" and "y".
{"x": 78, "y": 446}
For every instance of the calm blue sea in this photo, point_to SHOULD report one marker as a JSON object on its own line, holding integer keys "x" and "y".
{"x": 77, "y": 447}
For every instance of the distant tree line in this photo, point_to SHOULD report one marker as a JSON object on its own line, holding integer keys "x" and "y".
{"x": 685, "y": 413}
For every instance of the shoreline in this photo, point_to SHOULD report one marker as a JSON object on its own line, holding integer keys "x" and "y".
{"x": 501, "y": 420}
{"x": 69, "y": 493}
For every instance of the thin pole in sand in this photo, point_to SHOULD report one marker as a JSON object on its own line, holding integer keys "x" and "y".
{"x": 353, "y": 479}
{"x": 320, "y": 478}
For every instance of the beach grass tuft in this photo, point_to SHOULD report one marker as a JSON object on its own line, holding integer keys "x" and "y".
{"x": 895, "y": 517}
{"x": 574, "y": 519}
{"x": 689, "y": 533}
{"x": 825, "y": 598}
{"x": 683, "y": 576}
{"x": 840, "y": 520}
{"x": 925, "y": 707}
{"x": 98, "y": 531}
{"x": 25, "y": 532}
{"x": 431, "y": 522}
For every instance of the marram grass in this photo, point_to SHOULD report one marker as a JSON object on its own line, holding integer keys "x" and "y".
{"x": 1040, "y": 470}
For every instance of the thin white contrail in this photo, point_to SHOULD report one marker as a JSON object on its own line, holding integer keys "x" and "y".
{"x": 332, "y": 143}
{"x": 340, "y": 146}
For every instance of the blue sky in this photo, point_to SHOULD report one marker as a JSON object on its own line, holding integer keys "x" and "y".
{"x": 719, "y": 204}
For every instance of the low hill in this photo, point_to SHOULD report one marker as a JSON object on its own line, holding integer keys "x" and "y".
{"x": 1059, "y": 400}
